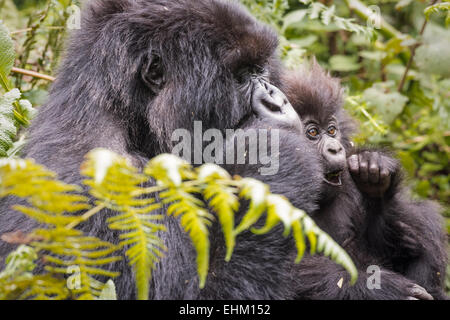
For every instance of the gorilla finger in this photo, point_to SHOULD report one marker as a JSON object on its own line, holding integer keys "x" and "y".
{"x": 421, "y": 293}
{"x": 353, "y": 164}
{"x": 363, "y": 169}
{"x": 388, "y": 163}
{"x": 385, "y": 176}
{"x": 411, "y": 298}
{"x": 374, "y": 169}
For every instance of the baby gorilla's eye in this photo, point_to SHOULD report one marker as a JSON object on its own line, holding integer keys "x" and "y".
{"x": 313, "y": 132}
{"x": 332, "y": 131}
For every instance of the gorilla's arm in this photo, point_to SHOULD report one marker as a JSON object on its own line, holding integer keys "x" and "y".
{"x": 407, "y": 233}
{"x": 331, "y": 282}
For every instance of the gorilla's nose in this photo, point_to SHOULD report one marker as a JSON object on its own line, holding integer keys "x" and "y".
{"x": 334, "y": 147}
{"x": 334, "y": 153}
{"x": 269, "y": 103}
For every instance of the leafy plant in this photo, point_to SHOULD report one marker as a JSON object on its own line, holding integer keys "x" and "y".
{"x": 14, "y": 112}
{"x": 118, "y": 186}
{"x": 444, "y": 6}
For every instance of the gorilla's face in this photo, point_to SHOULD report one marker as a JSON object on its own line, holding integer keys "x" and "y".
{"x": 325, "y": 135}
{"x": 207, "y": 69}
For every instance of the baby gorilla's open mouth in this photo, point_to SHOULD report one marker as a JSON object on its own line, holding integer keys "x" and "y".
{"x": 334, "y": 178}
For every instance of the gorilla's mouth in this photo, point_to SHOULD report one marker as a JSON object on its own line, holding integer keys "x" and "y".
{"x": 334, "y": 178}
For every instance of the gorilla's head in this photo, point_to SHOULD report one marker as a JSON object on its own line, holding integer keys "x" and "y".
{"x": 160, "y": 65}
{"x": 139, "y": 69}
{"x": 317, "y": 98}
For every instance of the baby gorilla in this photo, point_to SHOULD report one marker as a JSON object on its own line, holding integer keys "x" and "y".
{"x": 363, "y": 206}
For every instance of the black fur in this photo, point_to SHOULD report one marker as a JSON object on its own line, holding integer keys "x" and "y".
{"x": 108, "y": 94}
{"x": 405, "y": 238}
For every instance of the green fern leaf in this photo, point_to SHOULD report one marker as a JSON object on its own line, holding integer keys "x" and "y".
{"x": 256, "y": 192}
{"x": 170, "y": 171}
{"x": 49, "y": 202}
{"x": 443, "y": 6}
{"x": 118, "y": 186}
{"x": 195, "y": 220}
{"x": 222, "y": 199}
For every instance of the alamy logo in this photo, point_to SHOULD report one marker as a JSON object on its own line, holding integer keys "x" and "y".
{"x": 252, "y": 146}
{"x": 74, "y": 281}
{"x": 74, "y": 20}
{"x": 374, "y": 281}
{"x": 374, "y": 17}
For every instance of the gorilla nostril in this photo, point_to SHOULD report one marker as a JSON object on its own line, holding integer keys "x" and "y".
{"x": 334, "y": 149}
{"x": 273, "y": 107}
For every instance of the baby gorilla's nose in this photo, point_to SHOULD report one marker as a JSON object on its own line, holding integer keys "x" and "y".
{"x": 334, "y": 147}
{"x": 269, "y": 103}
{"x": 334, "y": 153}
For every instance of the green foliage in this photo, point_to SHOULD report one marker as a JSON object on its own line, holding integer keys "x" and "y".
{"x": 13, "y": 111}
{"x": 327, "y": 16}
{"x": 444, "y": 6}
{"x": 52, "y": 204}
{"x": 7, "y": 55}
{"x": 8, "y": 128}
{"x": 118, "y": 186}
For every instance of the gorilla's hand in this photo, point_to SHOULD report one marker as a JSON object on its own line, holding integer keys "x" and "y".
{"x": 416, "y": 292}
{"x": 398, "y": 287}
{"x": 372, "y": 172}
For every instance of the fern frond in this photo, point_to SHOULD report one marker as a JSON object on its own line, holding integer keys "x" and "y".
{"x": 183, "y": 203}
{"x": 49, "y": 202}
{"x": 18, "y": 282}
{"x": 48, "y": 198}
{"x": 443, "y": 6}
{"x": 117, "y": 185}
{"x": 222, "y": 199}
{"x": 70, "y": 248}
{"x": 322, "y": 243}
{"x": 279, "y": 209}
{"x": 194, "y": 219}
{"x": 256, "y": 192}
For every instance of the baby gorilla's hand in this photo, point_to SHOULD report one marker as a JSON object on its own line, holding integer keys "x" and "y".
{"x": 372, "y": 172}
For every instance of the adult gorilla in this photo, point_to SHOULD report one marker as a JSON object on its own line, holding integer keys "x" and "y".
{"x": 136, "y": 71}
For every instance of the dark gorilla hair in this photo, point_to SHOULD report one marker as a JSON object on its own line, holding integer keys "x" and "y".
{"x": 137, "y": 70}
{"x": 366, "y": 208}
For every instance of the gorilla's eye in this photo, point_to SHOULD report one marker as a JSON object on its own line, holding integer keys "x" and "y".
{"x": 313, "y": 132}
{"x": 152, "y": 73}
{"x": 332, "y": 131}
{"x": 242, "y": 75}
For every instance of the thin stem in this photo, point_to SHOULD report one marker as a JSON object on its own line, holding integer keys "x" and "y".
{"x": 33, "y": 74}
{"x": 86, "y": 216}
{"x": 413, "y": 53}
{"x": 12, "y": 33}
